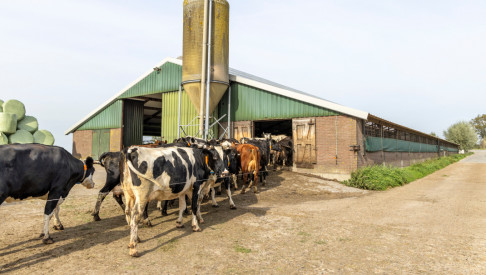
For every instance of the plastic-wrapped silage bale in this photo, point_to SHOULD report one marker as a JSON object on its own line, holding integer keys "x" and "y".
{"x": 44, "y": 137}
{"x": 8, "y": 123}
{"x": 21, "y": 136}
{"x": 1, "y": 105}
{"x": 14, "y": 107}
{"x": 3, "y": 139}
{"x": 29, "y": 123}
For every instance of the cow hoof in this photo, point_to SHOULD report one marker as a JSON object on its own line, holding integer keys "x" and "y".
{"x": 138, "y": 240}
{"x": 48, "y": 241}
{"x": 232, "y": 207}
{"x": 164, "y": 213}
{"x": 196, "y": 228}
{"x": 200, "y": 220}
{"x": 133, "y": 252}
{"x": 41, "y": 235}
{"x": 147, "y": 223}
{"x": 96, "y": 218}
{"x": 58, "y": 227}
{"x": 187, "y": 212}
{"x": 215, "y": 205}
{"x": 179, "y": 225}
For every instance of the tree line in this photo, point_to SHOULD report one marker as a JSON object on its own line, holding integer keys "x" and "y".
{"x": 468, "y": 134}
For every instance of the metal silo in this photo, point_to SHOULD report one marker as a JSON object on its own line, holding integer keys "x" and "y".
{"x": 195, "y": 51}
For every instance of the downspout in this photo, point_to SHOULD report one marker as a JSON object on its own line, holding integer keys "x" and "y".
{"x": 208, "y": 79}
{"x": 229, "y": 112}
{"x": 204, "y": 66}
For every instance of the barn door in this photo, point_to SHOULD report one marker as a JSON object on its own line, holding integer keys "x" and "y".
{"x": 100, "y": 143}
{"x": 304, "y": 132}
{"x": 242, "y": 129}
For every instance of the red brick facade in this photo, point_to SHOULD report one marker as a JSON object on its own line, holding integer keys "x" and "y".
{"x": 334, "y": 136}
{"x": 82, "y": 143}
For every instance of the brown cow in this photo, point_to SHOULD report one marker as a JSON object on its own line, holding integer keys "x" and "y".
{"x": 249, "y": 156}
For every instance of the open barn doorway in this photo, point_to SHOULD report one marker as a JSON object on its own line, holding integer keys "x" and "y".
{"x": 274, "y": 127}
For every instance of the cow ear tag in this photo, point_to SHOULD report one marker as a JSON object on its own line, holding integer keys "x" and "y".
{"x": 270, "y": 147}
{"x": 206, "y": 160}
{"x": 85, "y": 168}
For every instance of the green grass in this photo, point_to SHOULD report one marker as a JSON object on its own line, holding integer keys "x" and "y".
{"x": 241, "y": 249}
{"x": 381, "y": 177}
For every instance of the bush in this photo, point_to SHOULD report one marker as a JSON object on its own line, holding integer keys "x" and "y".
{"x": 380, "y": 177}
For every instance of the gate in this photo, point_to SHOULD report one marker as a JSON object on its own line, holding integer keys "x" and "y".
{"x": 304, "y": 132}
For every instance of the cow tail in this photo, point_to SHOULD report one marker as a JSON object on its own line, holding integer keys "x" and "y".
{"x": 134, "y": 170}
{"x": 102, "y": 157}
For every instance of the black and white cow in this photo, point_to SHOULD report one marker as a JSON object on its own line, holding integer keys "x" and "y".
{"x": 165, "y": 174}
{"x": 111, "y": 162}
{"x": 228, "y": 154}
{"x": 39, "y": 171}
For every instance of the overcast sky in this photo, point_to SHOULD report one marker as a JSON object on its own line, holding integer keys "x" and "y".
{"x": 419, "y": 63}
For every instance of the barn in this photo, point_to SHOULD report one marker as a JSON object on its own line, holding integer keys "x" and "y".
{"x": 328, "y": 138}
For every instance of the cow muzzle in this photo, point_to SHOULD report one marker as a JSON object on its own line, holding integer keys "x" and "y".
{"x": 88, "y": 182}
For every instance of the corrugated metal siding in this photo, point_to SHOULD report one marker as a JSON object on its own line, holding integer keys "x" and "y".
{"x": 248, "y": 103}
{"x": 132, "y": 122}
{"x": 170, "y": 107}
{"x": 109, "y": 118}
{"x": 168, "y": 79}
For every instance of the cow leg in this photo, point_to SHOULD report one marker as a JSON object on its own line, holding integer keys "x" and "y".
{"x": 163, "y": 210}
{"x": 219, "y": 191}
{"x": 119, "y": 200}
{"x": 214, "y": 203}
{"x": 57, "y": 223}
{"x": 255, "y": 182}
{"x": 96, "y": 211}
{"x": 146, "y": 220}
{"x": 182, "y": 209}
{"x": 188, "y": 200}
{"x": 228, "y": 192}
{"x": 196, "y": 202}
{"x": 134, "y": 220}
{"x": 245, "y": 181}
{"x": 129, "y": 207}
{"x": 48, "y": 212}
{"x": 235, "y": 181}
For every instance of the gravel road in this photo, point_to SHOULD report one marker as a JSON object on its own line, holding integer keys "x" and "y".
{"x": 295, "y": 225}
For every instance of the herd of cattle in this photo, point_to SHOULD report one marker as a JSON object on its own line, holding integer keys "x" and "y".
{"x": 187, "y": 169}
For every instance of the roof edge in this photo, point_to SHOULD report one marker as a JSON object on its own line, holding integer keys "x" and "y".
{"x": 115, "y": 98}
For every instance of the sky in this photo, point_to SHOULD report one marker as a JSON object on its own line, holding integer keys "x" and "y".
{"x": 421, "y": 64}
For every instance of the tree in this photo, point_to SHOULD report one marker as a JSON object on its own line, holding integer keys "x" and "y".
{"x": 463, "y": 134}
{"x": 479, "y": 124}
{"x": 433, "y": 134}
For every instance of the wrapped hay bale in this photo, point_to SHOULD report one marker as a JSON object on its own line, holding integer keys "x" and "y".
{"x": 21, "y": 136}
{"x": 3, "y": 139}
{"x": 14, "y": 107}
{"x": 29, "y": 123}
{"x": 1, "y": 105}
{"x": 8, "y": 123}
{"x": 44, "y": 137}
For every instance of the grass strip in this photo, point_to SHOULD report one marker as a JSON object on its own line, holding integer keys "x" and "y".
{"x": 380, "y": 177}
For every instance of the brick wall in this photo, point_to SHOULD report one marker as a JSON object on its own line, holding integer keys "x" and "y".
{"x": 330, "y": 129}
{"x": 82, "y": 143}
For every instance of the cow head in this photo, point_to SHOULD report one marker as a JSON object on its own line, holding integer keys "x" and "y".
{"x": 213, "y": 161}
{"x": 275, "y": 146}
{"x": 267, "y": 136}
{"x": 88, "y": 173}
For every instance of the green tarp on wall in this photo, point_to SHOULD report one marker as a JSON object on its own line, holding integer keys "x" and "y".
{"x": 374, "y": 144}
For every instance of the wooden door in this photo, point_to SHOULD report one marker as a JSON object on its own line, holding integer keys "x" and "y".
{"x": 100, "y": 143}
{"x": 304, "y": 132}
{"x": 95, "y": 149}
{"x": 242, "y": 129}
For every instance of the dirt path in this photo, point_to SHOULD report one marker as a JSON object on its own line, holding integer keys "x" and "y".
{"x": 297, "y": 224}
